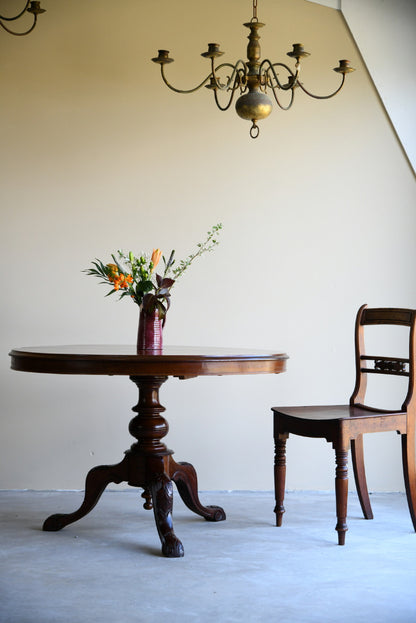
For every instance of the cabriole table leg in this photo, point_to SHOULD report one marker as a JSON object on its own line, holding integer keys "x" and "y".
{"x": 185, "y": 478}
{"x": 97, "y": 480}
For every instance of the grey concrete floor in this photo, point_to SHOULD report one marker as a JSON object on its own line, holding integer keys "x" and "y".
{"x": 107, "y": 567}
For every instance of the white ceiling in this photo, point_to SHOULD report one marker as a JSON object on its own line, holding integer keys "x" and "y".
{"x": 334, "y": 4}
{"x": 385, "y": 33}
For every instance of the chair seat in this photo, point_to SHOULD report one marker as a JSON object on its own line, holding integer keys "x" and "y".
{"x": 333, "y": 412}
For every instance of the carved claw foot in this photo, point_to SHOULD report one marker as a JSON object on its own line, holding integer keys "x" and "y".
{"x": 54, "y": 523}
{"x": 172, "y": 547}
{"x": 218, "y": 513}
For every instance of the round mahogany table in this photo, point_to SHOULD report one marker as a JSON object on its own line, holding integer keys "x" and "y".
{"x": 148, "y": 464}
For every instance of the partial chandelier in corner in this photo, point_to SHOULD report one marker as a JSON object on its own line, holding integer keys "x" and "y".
{"x": 31, "y": 7}
{"x": 253, "y": 78}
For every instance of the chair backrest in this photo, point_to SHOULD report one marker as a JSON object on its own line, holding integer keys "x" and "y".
{"x": 382, "y": 364}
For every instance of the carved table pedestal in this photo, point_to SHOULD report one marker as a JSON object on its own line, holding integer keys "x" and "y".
{"x": 148, "y": 464}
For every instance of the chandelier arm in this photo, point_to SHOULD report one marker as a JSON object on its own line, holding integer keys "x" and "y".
{"x": 323, "y": 97}
{"x": 179, "y": 90}
{"x": 20, "y": 34}
{"x": 11, "y": 19}
{"x": 235, "y": 76}
{"x": 270, "y": 68}
{"x": 292, "y": 97}
{"x": 233, "y": 90}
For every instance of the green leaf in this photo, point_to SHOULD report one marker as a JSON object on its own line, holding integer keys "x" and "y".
{"x": 144, "y": 286}
{"x": 111, "y": 292}
{"x": 120, "y": 268}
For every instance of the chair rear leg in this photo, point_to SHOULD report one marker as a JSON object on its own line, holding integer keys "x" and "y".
{"x": 357, "y": 455}
{"x": 409, "y": 471}
{"x": 341, "y": 492}
{"x": 280, "y": 475}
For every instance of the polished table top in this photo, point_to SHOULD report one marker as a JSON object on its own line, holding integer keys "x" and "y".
{"x": 181, "y": 361}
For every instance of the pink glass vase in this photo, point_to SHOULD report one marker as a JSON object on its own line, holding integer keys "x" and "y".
{"x": 150, "y": 334}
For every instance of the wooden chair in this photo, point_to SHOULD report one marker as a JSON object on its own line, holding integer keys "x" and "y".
{"x": 343, "y": 425}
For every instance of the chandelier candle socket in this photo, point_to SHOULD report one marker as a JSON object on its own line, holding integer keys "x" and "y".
{"x": 252, "y": 78}
{"x": 135, "y": 277}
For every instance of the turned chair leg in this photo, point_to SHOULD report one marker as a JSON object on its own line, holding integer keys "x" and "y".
{"x": 357, "y": 455}
{"x": 280, "y": 476}
{"x": 341, "y": 493}
{"x": 409, "y": 471}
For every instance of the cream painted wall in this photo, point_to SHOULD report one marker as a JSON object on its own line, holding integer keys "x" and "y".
{"x": 318, "y": 213}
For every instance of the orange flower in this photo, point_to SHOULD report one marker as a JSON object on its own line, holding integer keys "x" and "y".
{"x": 122, "y": 281}
{"x": 156, "y": 255}
{"x": 113, "y": 272}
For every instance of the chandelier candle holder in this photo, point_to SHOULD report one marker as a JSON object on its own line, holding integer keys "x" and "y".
{"x": 253, "y": 78}
{"x": 30, "y": 7}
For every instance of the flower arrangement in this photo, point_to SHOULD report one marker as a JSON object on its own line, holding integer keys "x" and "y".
{"x": 135, "y": 276}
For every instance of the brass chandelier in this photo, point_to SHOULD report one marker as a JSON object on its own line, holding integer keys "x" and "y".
{"x": 253, "y": 78}
{"x": 30, "y": 7}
